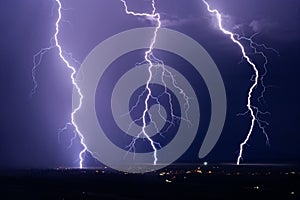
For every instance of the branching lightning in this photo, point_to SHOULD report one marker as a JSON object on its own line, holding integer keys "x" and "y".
{"x": 257, "y": 79}
{"x": 150, "y": 59}
{"x": 37, "y": 58}
{"x": 154, "y": 62}
{"x": 148, "y": 54}
{"x": 72, "y": 76}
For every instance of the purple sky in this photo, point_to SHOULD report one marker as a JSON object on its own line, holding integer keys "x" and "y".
{"x": 29, "y": 125}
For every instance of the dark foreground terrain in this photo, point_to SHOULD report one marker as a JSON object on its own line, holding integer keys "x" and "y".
{"x": 176, "y": 182}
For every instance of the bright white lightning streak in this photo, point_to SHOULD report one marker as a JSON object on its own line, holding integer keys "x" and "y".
{"x": 153, "y": 62}
{"x": 149, "y": 58}
{"x": 148, "y": 54}
{"x": 72, "y": 76}
{"x": 255, "y": 47}
{"x": 261, "y": 123}
{"x": 37, "y": 58}
{"x": 254, "y": 111}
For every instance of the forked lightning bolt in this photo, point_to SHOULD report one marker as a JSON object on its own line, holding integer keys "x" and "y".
{"x": 148, "y": 54}
{"x": 153, "y": 62}
{"x": 37, "y": 60}
{"x": 149, "y": 58}
{"x": 253, "y": 110}
{"x": 72, "y": 77}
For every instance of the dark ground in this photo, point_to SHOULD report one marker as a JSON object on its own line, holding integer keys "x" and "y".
{"x": 175, "y": 182}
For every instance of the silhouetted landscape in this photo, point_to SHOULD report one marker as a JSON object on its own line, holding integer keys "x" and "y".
{"x": 173, "y": 182}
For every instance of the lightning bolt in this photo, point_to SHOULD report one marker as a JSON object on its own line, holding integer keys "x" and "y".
{"x": 37, "y": 58}
{"x": 72, "y": 77}
{"x": 258, "y": 79}
{"x": 154, "y": 62}
{"x": 148, "y": 54}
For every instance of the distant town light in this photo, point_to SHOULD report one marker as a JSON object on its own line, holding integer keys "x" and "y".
{"x": 168, "y": 181}
{"x": 256, "y": 187}
{"x": 205, "y": 163}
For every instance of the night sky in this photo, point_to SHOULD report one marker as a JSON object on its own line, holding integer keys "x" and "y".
{"x": 30, "y": 125}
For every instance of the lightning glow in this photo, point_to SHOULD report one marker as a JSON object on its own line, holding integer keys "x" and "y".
{"x": 148, "y": 54}
{"x": 150, "y": 59}
{"x": 154, "y": 62}
{"x": 253, "y": 110}
{"x": 37, "y": 58}
{"x": 72, "y": 77}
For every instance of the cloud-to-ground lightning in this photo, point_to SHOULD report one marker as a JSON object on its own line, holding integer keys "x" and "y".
{"x": 75, "y": 85}
{"x": 37, "y": 60}
{"x": 153, "y": 62}
{"x": 149, "y": 58}
{"x": 148, "y": 53}
{"x": 258, "y": 79}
